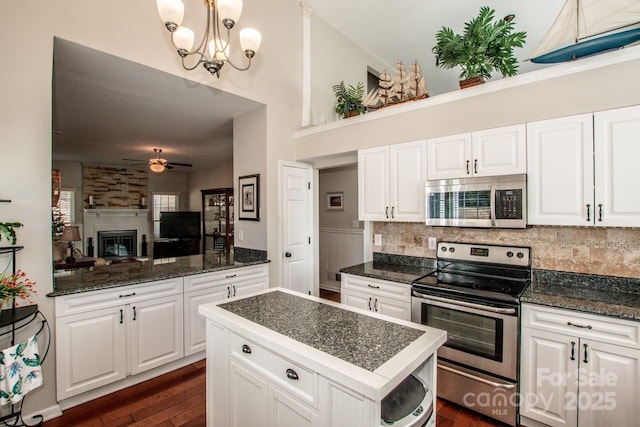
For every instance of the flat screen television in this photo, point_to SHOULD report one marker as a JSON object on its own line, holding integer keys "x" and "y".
{"x": 180, "y": 225}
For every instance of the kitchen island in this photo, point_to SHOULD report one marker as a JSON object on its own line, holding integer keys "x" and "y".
{"x": 281, "y": 358}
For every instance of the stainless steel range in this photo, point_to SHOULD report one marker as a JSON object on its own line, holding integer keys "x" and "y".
{"x": 474, "y": 294}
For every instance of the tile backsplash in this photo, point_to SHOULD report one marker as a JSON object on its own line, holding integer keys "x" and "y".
{"x": 591, "y": 250}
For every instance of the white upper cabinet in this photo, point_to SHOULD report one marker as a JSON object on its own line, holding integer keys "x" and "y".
{"x": 560, "y": 171}
{"x": 391, "y": 182}
{"x": 582, "y": 170}
{"x": 617, "y": 169}
{"x": 500, "y": 151}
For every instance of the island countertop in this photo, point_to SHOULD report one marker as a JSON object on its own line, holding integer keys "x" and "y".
{"x": 369, "y": 353}
{"x": 141, "y": 270}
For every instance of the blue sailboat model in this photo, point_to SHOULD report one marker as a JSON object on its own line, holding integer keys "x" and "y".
{"x": 588, "y": 27}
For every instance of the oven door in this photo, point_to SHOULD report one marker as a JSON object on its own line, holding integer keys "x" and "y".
{"x": 481, "y": 337}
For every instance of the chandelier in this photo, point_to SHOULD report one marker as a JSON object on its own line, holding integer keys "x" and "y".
{"x": 213, "y": 50}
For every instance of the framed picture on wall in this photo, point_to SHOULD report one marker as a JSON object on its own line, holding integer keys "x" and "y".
{"x": 249, "y": 186}
{"x": 335, "y": 201}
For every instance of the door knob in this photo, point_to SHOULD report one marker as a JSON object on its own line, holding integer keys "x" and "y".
{"x": 287, "y": 254}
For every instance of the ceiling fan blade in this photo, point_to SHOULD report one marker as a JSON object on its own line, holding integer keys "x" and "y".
{"x": 135, "y": 160}
{"x": 181, "y": 164}
{"x": 168, "y": 166}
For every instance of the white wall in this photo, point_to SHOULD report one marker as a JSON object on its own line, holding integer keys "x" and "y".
{"x": 335, "y": 58}
{"x": 219, "y": 175}
{"x": 131, "y": 30}
{"x": 170, "y": 181}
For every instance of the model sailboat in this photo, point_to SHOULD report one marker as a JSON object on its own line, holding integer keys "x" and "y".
{"x": 587, "y": 27}
{"x": 402, "y": 87}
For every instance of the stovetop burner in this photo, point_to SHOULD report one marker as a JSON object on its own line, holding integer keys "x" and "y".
{"x": 478, "y": 272}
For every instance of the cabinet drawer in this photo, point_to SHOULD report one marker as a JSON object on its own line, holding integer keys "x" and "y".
{"x": 584, "y": 325}
{"x": 206, "y": 280}
{"x": 94, "y": 300}
{"x": 377, "y": 287}
{"x": 277, "y": 369}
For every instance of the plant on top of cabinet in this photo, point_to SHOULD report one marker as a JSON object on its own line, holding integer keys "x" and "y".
{"x": 349, "y": 100}
{"x": 484, "y": 47}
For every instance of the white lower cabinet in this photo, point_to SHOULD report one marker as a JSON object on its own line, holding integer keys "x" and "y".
{"x": 210, "y": 287}
{"x": 578, "y": 369}
{"x": 142, "y": 329}
{"x": 380, "y": 296}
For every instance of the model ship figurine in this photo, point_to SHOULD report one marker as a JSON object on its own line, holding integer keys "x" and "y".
{"x": 403, "y": 87}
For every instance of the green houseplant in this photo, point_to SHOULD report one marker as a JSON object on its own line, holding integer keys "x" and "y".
{"x": 485, "y": 46}
{"x": 8, "y": 230}
{"x": 349, "y": 99}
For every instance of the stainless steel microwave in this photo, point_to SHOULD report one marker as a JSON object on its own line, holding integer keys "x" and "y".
{"x": 489, "y": 202}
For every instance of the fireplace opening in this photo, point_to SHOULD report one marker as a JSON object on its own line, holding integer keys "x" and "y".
{"x": 117, "y": 244}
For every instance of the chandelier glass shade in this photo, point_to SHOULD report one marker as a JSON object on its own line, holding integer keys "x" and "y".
{"x": 213, "y": 50}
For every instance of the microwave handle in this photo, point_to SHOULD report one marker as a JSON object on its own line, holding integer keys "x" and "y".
{"x": 493, "y": 205}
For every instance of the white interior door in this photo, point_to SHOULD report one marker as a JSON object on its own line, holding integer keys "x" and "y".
{"x": 297, "y": 262}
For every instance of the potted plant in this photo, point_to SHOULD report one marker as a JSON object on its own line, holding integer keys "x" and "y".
{"x": 349, "y": 99}
{"x": 7, "y": 229}
{"x": 15, "y": 286}
{"x": 485, "y": 46}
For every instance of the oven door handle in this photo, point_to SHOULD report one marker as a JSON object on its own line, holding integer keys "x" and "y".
{"x": 493, "y": 205}
{"x": 463, "y": 303}
{"x": 476, "y": 378}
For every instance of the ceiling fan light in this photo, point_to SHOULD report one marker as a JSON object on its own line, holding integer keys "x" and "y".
{"x": 156, "y": 167}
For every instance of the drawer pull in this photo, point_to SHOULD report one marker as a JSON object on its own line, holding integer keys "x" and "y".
{"x": 246, "y": 349}
{"x": 231, "y": 276}
{"x": 374, "y": 287}
{"x": 580, "y": 326}
{"x": 292, "y": 375}
{"x": 127, "y": 295}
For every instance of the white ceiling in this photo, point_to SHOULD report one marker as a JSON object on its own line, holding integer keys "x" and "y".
{"x": 404, "y": 30}
{"x": 106, "y": 108}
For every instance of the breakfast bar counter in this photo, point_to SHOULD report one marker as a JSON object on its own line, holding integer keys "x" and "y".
{"x": 328, "y": 363}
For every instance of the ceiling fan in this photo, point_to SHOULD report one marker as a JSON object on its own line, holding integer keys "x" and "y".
{"x": 158, "y": 164}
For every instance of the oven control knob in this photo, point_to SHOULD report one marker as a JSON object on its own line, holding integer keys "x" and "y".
{"x": 509, "y": 254}
{"x": 520, "y": 255}
{"x": 452, "y": 249}
{"x": 444, "y": 249}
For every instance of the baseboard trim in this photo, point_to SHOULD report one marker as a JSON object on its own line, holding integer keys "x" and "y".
{"x": 332, "y": 288}
{"x": 46, "y": 414}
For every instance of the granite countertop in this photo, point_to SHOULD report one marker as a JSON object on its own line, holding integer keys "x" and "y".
{"x": 604, "y": 295}
{"x": 353, "y": 337}
{"x": 140, "y": 271}
{"x": 396, "y": 268}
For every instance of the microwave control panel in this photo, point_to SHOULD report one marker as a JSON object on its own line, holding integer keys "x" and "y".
{"x": 509, "y": 204}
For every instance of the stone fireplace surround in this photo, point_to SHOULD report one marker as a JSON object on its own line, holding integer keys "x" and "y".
{"x": 96, "y": 220}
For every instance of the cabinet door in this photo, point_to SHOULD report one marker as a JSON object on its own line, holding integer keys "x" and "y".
{"x": 357, "y": 299}
{"x": 195, "y": 323}
{"x": 548, "y": 382}
{"x": 610, "y": 386}
{"x": 373, "y": 184}
{"x": 393, "y": 308}
{"x": 90, "y": 350}
{"x": 285, "y": 411}
{"x": 617, "y": 151}
{"x": 501, "y": 151}
{"x": 560, "y": 171}
{"x": 155, "y": 332}
{"x": 448, "y": 157}
{"x": 407, "y": 173}
{"x": 248, "y": 397}
{"x": 249, "y": 286}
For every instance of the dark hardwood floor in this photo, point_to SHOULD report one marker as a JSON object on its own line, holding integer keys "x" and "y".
{"x": 178, "y": 399}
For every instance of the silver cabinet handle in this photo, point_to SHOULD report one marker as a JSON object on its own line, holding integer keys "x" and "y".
{"x": 579, "y": 326}
{"x": 292, "y": 375}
